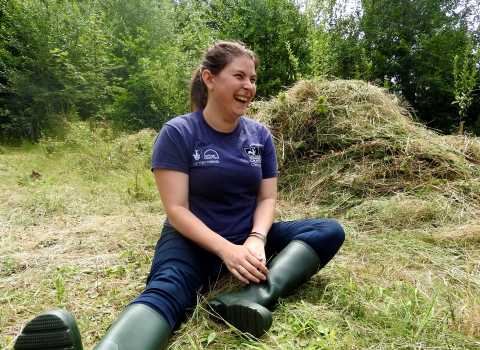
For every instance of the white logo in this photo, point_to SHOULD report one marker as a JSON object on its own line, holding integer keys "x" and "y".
{"x": 196, "y": 155}
{"x": 253, "y": 154}
{"x": 210, "y": 156}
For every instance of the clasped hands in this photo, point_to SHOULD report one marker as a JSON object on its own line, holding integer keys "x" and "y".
{"x": 246, "y": 262}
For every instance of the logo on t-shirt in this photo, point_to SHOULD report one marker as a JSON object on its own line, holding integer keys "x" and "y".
{"x": 208, "y": 157}
{"x": 196, "y": 155}
{"x": 210, "y": 154}
{"x": 253, "y": 154}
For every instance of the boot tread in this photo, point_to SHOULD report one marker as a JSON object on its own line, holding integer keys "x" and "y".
{"x": 43, "y": 322}
{"x": 48, "y": 340}
{"x": 245, "y": 316}
{"x": 52, "y": 330}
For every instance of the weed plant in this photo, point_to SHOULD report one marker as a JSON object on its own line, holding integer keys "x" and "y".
{"x": 80, "y": 217}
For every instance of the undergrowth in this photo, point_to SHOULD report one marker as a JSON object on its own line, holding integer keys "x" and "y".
{"x": 80, "y": 217}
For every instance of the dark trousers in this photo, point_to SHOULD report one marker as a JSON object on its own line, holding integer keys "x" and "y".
{"x": 181, "y": 269}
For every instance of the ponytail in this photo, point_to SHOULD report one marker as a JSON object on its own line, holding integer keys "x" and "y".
{"x": 198, "y": 91}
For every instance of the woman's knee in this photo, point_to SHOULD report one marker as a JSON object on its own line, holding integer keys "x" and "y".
{"x": 321, "y": 229}
{"x": 325, "y": 236}
{"x": 333, "y": 229}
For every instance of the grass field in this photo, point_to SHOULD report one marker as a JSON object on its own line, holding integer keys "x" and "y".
{"x": 81, "y": 235}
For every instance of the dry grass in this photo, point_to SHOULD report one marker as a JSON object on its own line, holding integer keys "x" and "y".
{"x": 81, "y": 236}
{"x": 353, "y": 139}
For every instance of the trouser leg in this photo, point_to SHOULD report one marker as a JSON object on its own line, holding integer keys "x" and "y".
{"x": 180, "y": 271}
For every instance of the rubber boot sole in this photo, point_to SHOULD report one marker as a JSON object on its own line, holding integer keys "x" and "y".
{"x": 244, "y": 315}
{"x": 55, "y": 330}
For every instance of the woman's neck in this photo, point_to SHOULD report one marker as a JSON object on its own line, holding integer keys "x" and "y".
{"x": 219, "y": 122}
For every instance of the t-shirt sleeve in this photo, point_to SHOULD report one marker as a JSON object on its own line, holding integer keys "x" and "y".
{"x": 269, "y": 158}
{"x": 170, "y": 150}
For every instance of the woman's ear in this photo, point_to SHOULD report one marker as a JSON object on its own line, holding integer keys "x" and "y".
{"x": 207, "y": 78}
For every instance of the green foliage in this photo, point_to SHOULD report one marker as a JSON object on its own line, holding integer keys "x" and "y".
{"x": 128, "y": 62}
{"x": 275, "y": 30}
{"x": 102, "y": 148}
{"x": 156, "y": 64}
{"x": 320, "y": 38}
{"x": 59, "y": 62}
{"x": 415, "y": 52}
{"x": 120, "y": 61}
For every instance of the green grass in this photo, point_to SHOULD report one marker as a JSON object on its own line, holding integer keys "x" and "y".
{"x": 82, "y": 237}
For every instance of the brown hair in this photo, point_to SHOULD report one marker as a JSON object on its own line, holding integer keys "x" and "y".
{"x": 215, "y": 59}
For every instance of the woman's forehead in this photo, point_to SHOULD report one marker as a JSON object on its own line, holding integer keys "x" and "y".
{"x": 243, "y": 63}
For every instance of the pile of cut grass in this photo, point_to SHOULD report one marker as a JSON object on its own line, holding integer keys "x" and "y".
{"x": 81, "y": 236}
{"x": 339, "y": 141}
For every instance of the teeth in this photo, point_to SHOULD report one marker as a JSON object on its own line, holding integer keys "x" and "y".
{"x": 241, "y": 98}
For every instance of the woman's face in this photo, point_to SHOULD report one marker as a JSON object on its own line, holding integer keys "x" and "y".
{"x": 231, "y": 91}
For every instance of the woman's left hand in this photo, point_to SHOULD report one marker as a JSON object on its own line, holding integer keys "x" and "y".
{"x": 256, "y": 247}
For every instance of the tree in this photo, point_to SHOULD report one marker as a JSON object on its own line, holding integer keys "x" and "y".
{"x": 56, "y": 66}
{"x": 159, "y": 43}
{"x": 414, "y": 52}
{"x": 275, "y": 30}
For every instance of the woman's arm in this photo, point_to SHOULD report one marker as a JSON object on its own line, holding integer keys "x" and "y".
{"x": 266, "y": 201}
{"x": 263, "y": 217}
{"x": 173, "y": 188}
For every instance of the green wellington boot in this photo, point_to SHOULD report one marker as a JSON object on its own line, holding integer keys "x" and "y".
{"x": 138, "y": 327}
{"x": 54, "y": 329}
{"x": 247, "y": 310}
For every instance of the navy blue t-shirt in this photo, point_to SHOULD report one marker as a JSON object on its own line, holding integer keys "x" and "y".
{"x": 225, "y": 169}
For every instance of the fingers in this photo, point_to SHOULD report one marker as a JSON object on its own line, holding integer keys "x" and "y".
{"x": 257, "y": 250}
{"x": 259, "y": 268}
{"x": 245, "y": 263}
{"x": 253, "y": 271}
{"x": 261, "y": 258}
{"x": 244, "y": 275}
{"x": 238, "y": 274}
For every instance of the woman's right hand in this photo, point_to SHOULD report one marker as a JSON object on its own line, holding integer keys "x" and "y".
{"x": 242, "y": 264}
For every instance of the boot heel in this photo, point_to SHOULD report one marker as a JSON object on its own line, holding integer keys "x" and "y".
{"x": 245, "y": 316}
{"x": 218, "y": 307}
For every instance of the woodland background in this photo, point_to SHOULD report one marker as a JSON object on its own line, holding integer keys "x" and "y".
{"x": 128, "y": 62}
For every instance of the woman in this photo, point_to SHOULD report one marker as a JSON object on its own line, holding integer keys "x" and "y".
{"x": 216, "y": 174}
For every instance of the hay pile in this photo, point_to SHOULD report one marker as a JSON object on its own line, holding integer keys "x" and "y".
{"x": 351, "y": 139}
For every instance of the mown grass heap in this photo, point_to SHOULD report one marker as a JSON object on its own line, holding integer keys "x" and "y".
{"x": 351, "y": 139}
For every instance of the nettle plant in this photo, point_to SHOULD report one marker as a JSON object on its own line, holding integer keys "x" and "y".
{"x": 465, "y": 72}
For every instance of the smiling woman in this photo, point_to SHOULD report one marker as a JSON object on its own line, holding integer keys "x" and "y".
{"x": 216, "y": 172}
